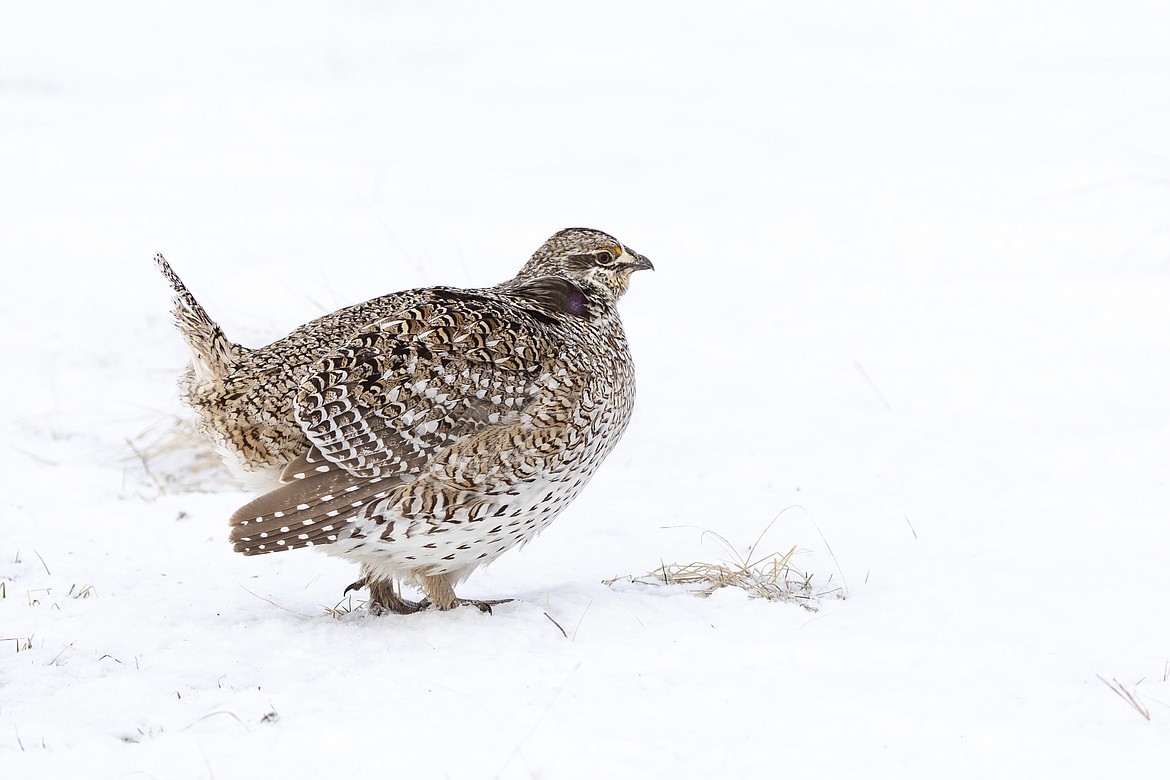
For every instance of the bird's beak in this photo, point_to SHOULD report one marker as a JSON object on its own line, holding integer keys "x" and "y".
{"x": 636, "y": 262}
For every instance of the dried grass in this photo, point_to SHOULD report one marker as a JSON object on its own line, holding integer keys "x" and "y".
{"x": 1129, "y": 696}
{"x": 170, "y": 456}
{"x": 344, "y": 607}
{"x": 22, "y": 642}
{"x": 772, "y": 577}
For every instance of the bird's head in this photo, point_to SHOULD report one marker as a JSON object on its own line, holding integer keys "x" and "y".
{"x": 594, "y": 261}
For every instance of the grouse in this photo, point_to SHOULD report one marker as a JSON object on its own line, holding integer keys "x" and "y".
{"x": 424, "y": 433}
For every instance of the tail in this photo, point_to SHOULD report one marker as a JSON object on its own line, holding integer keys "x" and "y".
{"x": 212, "y": 355}
{"x": 313, "y": 508}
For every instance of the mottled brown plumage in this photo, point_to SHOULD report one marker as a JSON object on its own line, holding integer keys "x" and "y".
{"x": 424, "y": 433}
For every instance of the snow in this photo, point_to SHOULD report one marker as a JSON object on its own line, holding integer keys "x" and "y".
{"x": 913, "y": 265}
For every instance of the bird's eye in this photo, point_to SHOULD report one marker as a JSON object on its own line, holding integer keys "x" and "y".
{"x": 604, "y": 257}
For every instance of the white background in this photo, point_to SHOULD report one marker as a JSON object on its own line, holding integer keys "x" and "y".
{"x": 912, "y": 297}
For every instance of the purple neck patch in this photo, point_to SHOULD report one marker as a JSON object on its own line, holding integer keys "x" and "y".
{"x": 575, "y": 302}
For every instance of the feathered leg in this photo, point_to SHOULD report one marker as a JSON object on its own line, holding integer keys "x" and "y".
{"x": 384, "y": 596}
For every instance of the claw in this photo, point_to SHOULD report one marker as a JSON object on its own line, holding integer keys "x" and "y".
{"x": 384, "y": 598}
{"x": 484, "y": 606}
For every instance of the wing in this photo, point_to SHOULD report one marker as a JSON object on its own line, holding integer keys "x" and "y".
{"x": 378, "y": 409}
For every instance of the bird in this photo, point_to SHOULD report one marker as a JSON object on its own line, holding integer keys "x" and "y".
{"x": 424, "y": 433}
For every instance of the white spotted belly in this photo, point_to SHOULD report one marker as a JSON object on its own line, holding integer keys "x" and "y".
{"x": 455, "y": 543}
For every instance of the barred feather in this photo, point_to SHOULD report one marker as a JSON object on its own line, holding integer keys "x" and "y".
{"x": 425, "y": 433}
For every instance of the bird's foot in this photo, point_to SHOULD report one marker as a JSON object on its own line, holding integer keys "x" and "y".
{"x": 441, "y": 594}
{"x": 384, "y": 598}
{"x": 484, "y": 605}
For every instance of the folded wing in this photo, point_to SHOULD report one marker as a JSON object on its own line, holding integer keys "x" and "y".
{"x": 381, "y": 407}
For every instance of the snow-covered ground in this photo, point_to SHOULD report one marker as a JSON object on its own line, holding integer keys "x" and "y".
{"x": 912, "y": 300}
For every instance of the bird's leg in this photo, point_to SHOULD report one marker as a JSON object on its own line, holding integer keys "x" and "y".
{"x": 384, "y": 597}
{"x": 440, "y": 594}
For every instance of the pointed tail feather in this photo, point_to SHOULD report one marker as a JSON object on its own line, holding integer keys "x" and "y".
{"x": 212, "y": 354}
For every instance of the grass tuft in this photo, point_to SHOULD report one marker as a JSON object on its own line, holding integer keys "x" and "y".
{"x": 22, "y": 642}
{"x": 81, "y": 592}
{"x": 171, "y": 456}
{"x": 1129, "y": 696}
{"x": 344, "y": 607}
{"x": 772, "y": 577}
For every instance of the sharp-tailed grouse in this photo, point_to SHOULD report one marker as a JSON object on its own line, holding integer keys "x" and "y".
{"x": 424, "y": 433}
